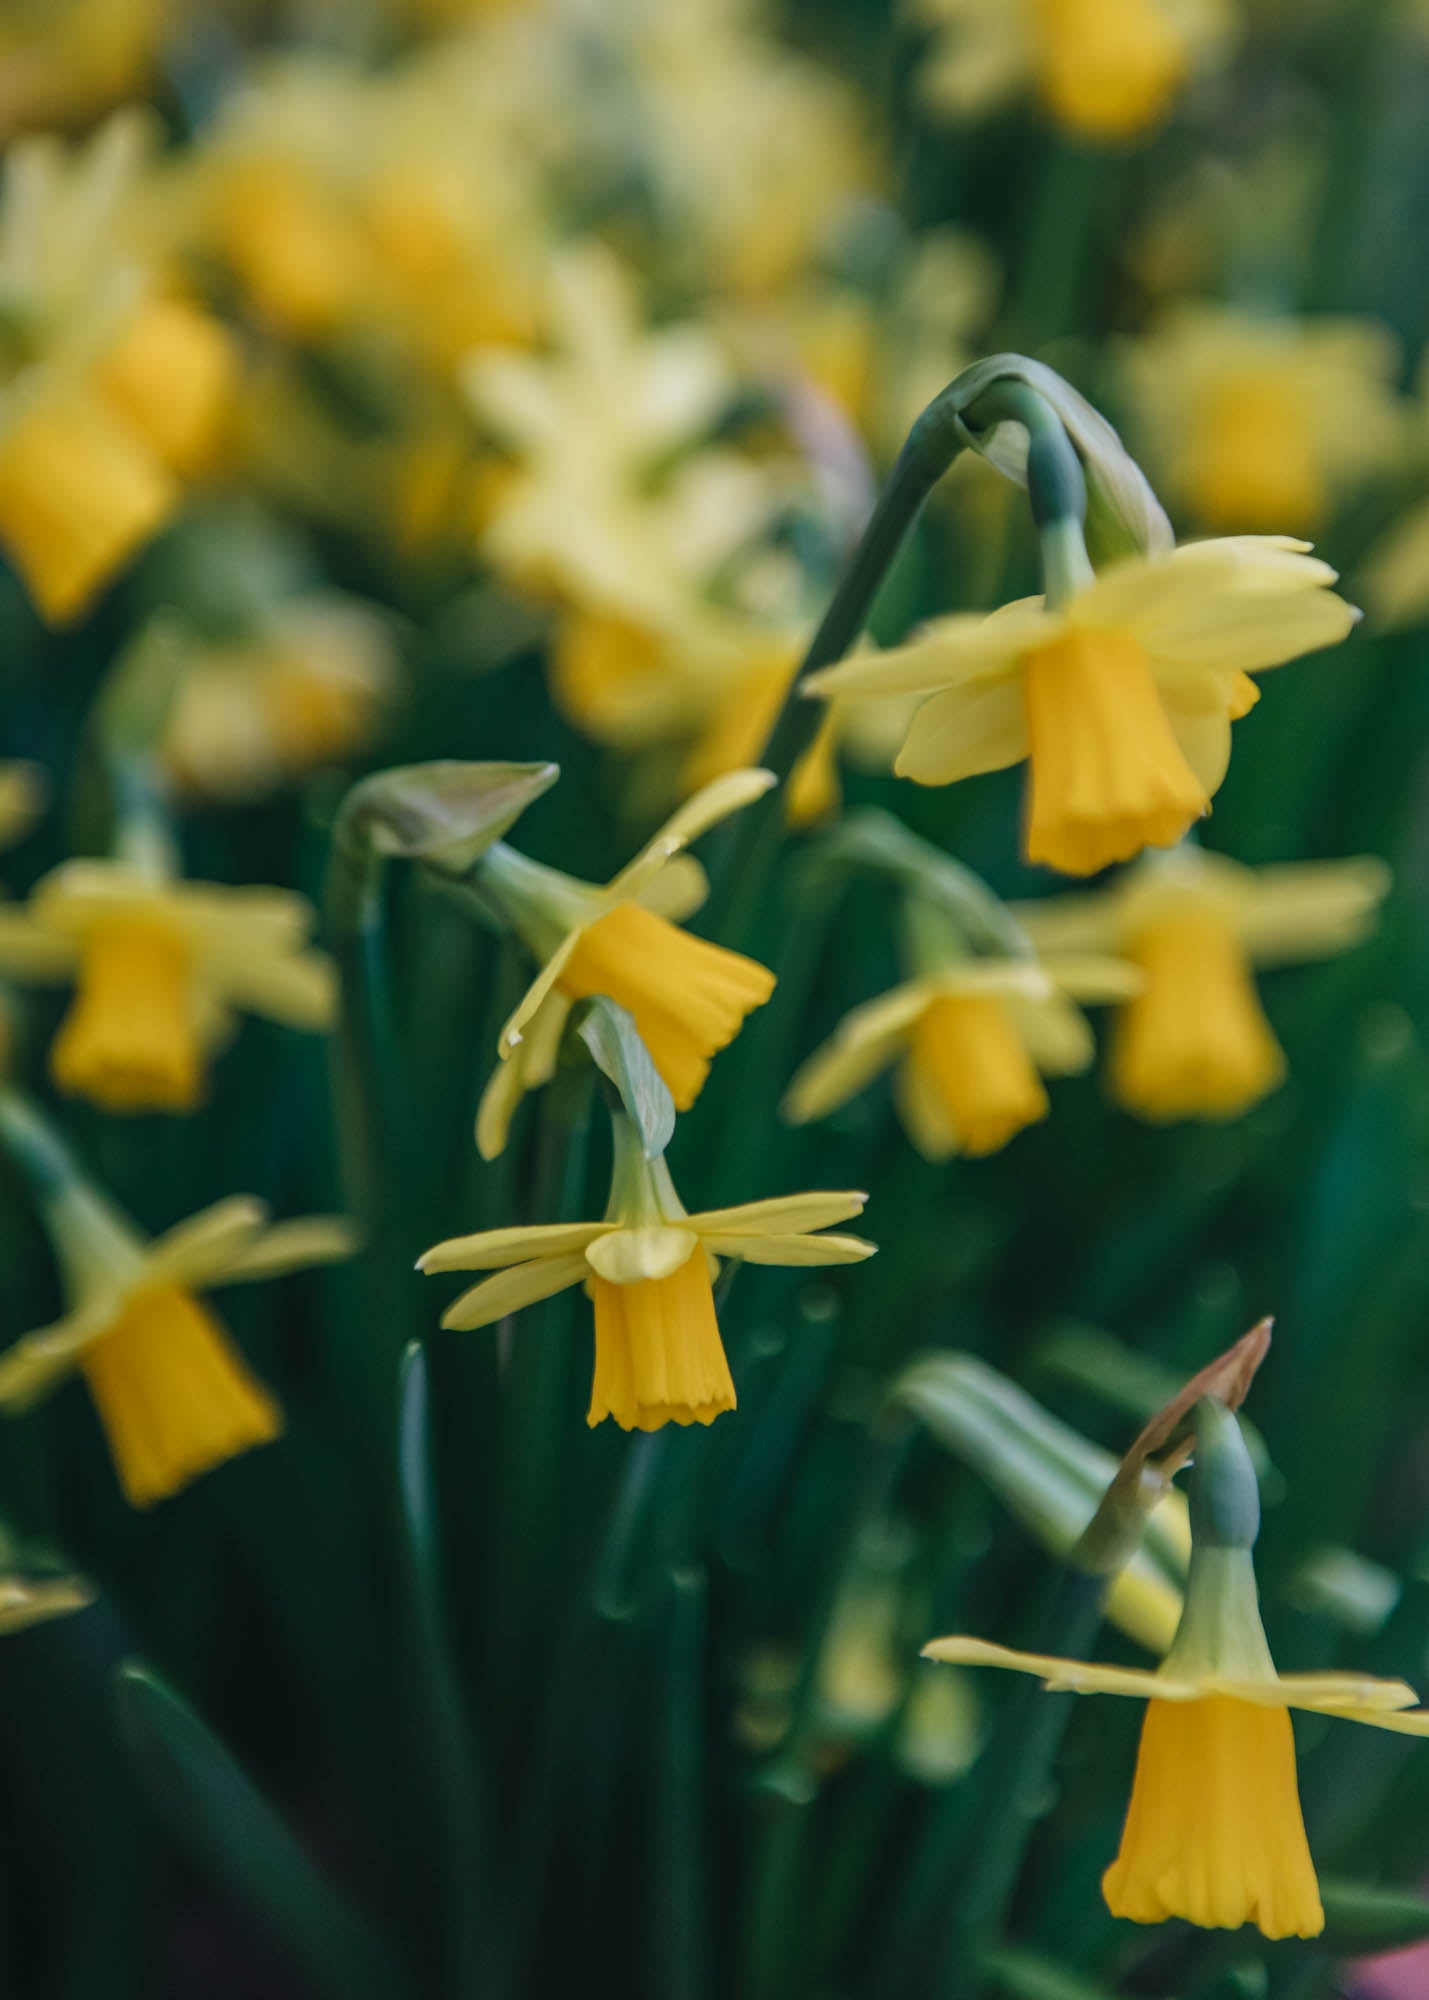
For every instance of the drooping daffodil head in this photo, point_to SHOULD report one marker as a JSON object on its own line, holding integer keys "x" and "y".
{"x": 688, "y": 998}
{"x": 1193, "y": 1041}
{"x": 648, "y": 1269}
{"x": 162, "y": 966}
{"x": 1120, "y": 700}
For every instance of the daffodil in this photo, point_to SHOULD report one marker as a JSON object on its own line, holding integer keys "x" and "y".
{"x": 1214, "y": 1831}
{"x": 587, "y": 423}
{"x": 173, "y": 1394}
{"x": 1120, "y": 698}
{"x": 161, "y": 967}
{"x": 1194, "y": 1042}
{"x": 648, "y": 1269}
{"x": 1105, "y": 70}
{"x": 688, "y": 998}
{"x": 971, "y": 1041}
{"x": 303, "y": 689}
{"x": 1261, "y": 424}
{"x": 111, "y": 381}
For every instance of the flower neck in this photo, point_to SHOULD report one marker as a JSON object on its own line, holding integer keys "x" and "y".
{"x": 542, "y": 905}
{"x": 642, "y": 1194}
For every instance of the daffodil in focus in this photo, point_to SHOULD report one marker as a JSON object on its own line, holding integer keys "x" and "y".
{"x": 174, "y": 1395}
{"x": 648, "y": 1268}
{"x": 112, "y": 384}
{"x": 688, "y": 998}
{"x": 1104, "y": 70}
{"x": 1120, "y": 697}
{"x": 1259, "y": 424}
{"x": 1194, "y": 1042}
{"x": 161, "y": 967}
{"x": 971, "y": 1042}
{"x": 1214, "y": 1832}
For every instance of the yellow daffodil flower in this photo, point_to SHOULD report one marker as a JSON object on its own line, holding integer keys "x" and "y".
{"x": 1258, "y": 424}
{"x": 174, "y": 1396}
{"x": 21, "y": 795}
{"x": 112, "y": 384}
{"x": 1105, "y": 70}
{"x": 303, "y": 690}
{"x": 161, "y": 966}
{"x": 1194, "y": 1042}
{"x": 587, "y": 422}
{"x": 647, "y": 1268}
{"x": 1121, "y": 700}
{"x": 971, "y": 1042}
{"x": 1214, "y": 1831}
{"x": 688, "y": 998}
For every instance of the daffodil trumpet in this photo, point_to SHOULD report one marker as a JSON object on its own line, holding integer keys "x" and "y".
{"x": 174, "y": 1395}
{"x": 1214, "y": 1831}
{"x": 623, "y": 939}
{"x": 648, "y": 1269}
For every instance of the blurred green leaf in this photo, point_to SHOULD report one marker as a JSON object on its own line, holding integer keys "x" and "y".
{"x": 443, "y": 813}
{"x": 229, "y": 1830}
{"x": 1028, "y": 1976}
{"x": 1361, "y": 1919}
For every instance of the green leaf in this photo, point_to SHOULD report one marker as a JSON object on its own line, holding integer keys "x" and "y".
{"x": 1360, "y": 1918}
{"x": 444, "y": 813}
{"x": 875, "y": 840}
{"x": 619, "y": 1053}
{"x": 229, "y": 1830}
{"x": 1029, "y": 1976}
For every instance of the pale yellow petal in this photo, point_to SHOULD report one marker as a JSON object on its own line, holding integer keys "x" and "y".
{"x": 1093, "y": 977}
{"x": 626, "y": 1256}
{"x": 964, "y": 650}
{"x": 509, "y": 1290}
{"x": 202, "y": 1248}
{"x": 505, "y": 1088}
{"x": 764, "y": 1249}
{"x": 782, "y": 1215}
{"x": 1056, "y": 1034}
{"x": 29, "y": 951}
{"x": 490, "y": 1249}
{"x": 537, "y": 996}
{"x": 712, "y": 803}
{"x": 1308, "y": 910}
{"x": 1064, "y": 1676}
{"x": 37, "y": 1361}
{"x": 293, "y": 1246}
{"x": 677, "y": 891}
{"x": 964, "y": 732}
{"x": 298, "y": 988}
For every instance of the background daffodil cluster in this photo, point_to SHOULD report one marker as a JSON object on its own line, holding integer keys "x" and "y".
{"x": 436, "y": 437}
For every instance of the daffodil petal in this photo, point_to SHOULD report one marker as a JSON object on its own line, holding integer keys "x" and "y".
{"x": 204, "y": 1247}
{"x": 628, "y": 1256}
{"x": 293, "y": 1246}
{"x": 537, "y": 995}
{"x": 829, "y": 1249}
{"x": 677, "y": 891}
{"x": 965, "y": 731}
{"x": 490, "y": 1249}
{"x": 509, "y": 1290}
{"x": 32, "y": 1367}
{"x": 783, "y": 1215}
{"x": 29, "y": 951}
{"x": 1064, "y": 1676}
{"x": 712, "y": 803}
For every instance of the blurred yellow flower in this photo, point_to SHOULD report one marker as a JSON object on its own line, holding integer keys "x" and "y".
{"x": 658, "y": 1354}
{"x": 971, "y": 1042}
{"x": 1262, "y": 424}
{"x": 111, "y": 383}
{"x": 161, "y": 966}
{"x": 173, "y": 1394}
{"x": 688, "y": 998}
{"x": 63, "y": 60}
{"x": 303, "y": 690}
{"x": 1105, "y": 70}
{"x": 1121, "y": 700}
{"x": 1193, "y": 1042}
{"x": 21, "y": 797}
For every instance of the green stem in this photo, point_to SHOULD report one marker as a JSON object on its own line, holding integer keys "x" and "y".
{"x": 1014, "y": 1778}
{"x": 680, "y": 1944}
{"x": 932, "y": 445}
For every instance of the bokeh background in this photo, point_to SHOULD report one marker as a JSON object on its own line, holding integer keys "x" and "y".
{"x": 540, "y": 365}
